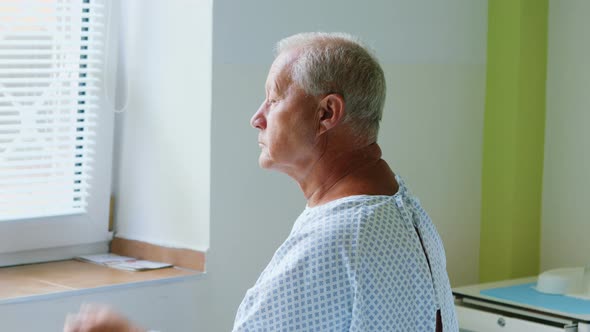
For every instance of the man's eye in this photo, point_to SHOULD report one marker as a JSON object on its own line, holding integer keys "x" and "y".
{"x": 272, "y": 101}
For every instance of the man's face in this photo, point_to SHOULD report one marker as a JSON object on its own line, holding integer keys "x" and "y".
{"x": 287, "y": 120}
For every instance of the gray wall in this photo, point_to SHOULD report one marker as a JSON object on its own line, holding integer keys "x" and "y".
{"x": 566, "y": 187}
{"x": 434, "y": 57}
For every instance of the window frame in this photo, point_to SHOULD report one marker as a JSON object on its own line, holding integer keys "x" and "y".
{"x": 61, "y": 237}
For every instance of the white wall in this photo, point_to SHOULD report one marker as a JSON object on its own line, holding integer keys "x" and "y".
{"x": 164, "y": 306}
{"x": 434, "y": 56}
{"x": 566, "y": 191}
{"x": 432, "y": 135}
{"x": 162, "y": 165}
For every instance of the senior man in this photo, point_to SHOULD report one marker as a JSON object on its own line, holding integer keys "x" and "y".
{"x": 363, "y": 255}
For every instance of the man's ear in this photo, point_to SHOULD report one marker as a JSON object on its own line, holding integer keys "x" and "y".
{"x": 331, "y": 112}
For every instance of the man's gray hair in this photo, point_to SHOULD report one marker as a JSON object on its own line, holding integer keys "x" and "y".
{"x": 340, "y": 63}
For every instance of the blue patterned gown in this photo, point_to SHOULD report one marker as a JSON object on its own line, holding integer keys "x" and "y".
{"x": 354, "y": 264}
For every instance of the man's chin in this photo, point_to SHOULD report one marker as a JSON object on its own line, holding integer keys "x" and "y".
{"x": 264, "y": 162}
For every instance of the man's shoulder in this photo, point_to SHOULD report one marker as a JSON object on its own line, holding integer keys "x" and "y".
{"x": 340, "y": 223}
{"x": 349, "y": 207}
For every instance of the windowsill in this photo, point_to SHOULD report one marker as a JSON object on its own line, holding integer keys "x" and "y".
{"x": 65, "y": 278}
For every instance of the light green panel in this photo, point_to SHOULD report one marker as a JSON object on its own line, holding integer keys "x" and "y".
{"x": 514, "y": 123}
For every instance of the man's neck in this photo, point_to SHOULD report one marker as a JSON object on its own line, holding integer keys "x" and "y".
{"x": 354, "y": 172}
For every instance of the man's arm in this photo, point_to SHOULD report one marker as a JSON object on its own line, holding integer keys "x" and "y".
{"x": 305, "y": 288}
{"x": 97, "y": 318}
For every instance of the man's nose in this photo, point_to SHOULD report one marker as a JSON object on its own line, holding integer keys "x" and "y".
{"x": 258, "y": 121}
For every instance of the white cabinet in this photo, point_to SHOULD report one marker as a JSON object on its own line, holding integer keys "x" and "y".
{"x": 474, "y": 319}
{"x": 481, "y": 313}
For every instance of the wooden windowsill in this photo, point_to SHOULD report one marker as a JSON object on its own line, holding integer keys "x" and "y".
{"x": 37, "y": 281}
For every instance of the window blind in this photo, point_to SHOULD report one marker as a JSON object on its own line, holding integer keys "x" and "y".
{"x": 51, "y": 55}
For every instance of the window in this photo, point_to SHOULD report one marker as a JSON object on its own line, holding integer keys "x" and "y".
{"x": 55, "y": 131}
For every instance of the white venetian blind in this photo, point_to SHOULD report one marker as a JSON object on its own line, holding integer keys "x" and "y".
{"x": 50, "y": 84}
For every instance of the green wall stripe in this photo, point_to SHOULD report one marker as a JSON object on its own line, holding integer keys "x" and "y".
{"x": 513, "y": 142}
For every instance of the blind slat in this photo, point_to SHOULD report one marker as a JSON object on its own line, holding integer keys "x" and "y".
{"x": 43, "y": 117}
{"x": 46, "y": 153}
{"x": 48, "y": 180}
{"x": 45, "y": 4}
{"x": 14, "y": 190}
{"x": 30, "y": 148}
{"x": 49, "y": 161}
{"x": 39, "y": 44}
{"x": 71, "y": 96}
{"x": 54, "y": 19}
{"x": 65, "y": 70}
{"x": 61, "y": 171}
{"x": 44, "y": 52}
{"x": 12, "y": 109}
{"x": 48, "y": 80}
{"x": 35, "y": 214}
{"x": 36, "y": 62}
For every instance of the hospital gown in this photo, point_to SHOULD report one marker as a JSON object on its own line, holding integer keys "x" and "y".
{"x": 354, "y": 264}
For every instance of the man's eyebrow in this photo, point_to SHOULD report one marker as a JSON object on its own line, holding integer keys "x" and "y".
{"x": 276, "y": 87}
{"x": 272, "y": 87}
{"x": 267, "y": 89}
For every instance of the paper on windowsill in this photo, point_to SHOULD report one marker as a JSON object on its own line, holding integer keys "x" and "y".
{"x": 123, "y": 262}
